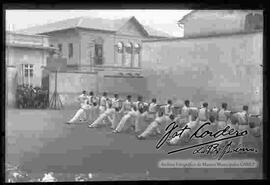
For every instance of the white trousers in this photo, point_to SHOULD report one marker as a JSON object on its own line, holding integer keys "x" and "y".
{"x": 192, "y": 125}
{"x": 242, "y": 128}
{"x": 99, "y": 120}
{"x": 116, "y": 119}
{"x": 102, "y": 109}
{"x": 122, "y": 123}
{"x": 77, "y": 116}
{"x": 151, "y": 129}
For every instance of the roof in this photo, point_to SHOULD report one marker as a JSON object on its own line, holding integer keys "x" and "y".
{"x": 92, "y": 23}
{"x": 186, "y": 17}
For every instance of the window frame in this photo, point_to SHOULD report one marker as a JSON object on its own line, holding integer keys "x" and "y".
{"x": 99, "y": 57}
{"x": 70, "y": 50}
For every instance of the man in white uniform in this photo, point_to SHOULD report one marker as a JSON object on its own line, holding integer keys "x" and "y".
{"x": 152, "y": 110}
{"x": 82, "y": 99}
{"x": 243, "y": 121}
{"x": 131, "y": 114}
{"x": 223, "y": 116}
{"x": 127, "y": 106}
{"x": 81, "y": 112}
{"x": 186, "y": 119}
{"x": 168, "y": 109}
{"x": 116, "y": 102}
{"x": 103, "y": 103}
{"x": 203, "y": 117}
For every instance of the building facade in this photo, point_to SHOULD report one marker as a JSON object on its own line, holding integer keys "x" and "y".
{"x": 213, "y": 22}
{"x": 208, "y": 64}
{"x": 26, "y": 57}
{"x": 105, "y": 53}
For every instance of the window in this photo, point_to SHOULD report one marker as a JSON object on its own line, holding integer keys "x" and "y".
{"x": 28, "y": 73}
{"x": 120, "y": 47}
{"x": 254, "y": 21}
{"x": 129, "y": 51}
{"x": 137, "y": 50}
{"x": 60, "y": 48}
{"x": 98, "y": 54}
{"x": 70, "y": 50}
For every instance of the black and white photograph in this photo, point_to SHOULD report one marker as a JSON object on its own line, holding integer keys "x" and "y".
{"x": 133, "y": 94}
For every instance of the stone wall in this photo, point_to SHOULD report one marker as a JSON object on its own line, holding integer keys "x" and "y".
{"x": 213, "y": 69}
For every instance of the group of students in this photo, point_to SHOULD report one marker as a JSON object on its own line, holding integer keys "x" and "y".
{"x": 150, "y": 118}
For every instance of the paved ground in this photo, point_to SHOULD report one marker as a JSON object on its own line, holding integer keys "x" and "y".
{"x": 39, "y": 141}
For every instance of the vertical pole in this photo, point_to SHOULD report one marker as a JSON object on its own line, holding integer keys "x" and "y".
{"x": 55, "y": 88}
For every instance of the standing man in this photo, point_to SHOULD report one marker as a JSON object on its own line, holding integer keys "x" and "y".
{"x": 203, "y": 116}
{"x": 223, "y": 116}
{"x": 185, "y": 113}
{"x": 103, "y": 103}
{"x": 91, "y": 98}
{"x": 152, "y": 110}
{"x": 127, "y": 106}
{"x": 243, "y": 121}
{"x": 82, "y": 100}
{"x": 139, "y": 103}
{"x": 116, "y": 102}
{"x": 168, "y": 109}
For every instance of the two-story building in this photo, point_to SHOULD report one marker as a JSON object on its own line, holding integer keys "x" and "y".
{"x": 26, "y": 57}
{"x": 94, "y": 44}
{"x": 102, "y": 54}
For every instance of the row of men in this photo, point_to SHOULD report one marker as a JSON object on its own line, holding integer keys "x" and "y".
{"x": 28, "y": 96}
{"x": 150, "y": 118}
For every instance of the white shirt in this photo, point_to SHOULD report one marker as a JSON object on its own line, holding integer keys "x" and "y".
{"x": 185, "y": 111}
{"x": 116, "y": 103}
{"x": 127, "y": 106}
{"x": 168, "y": 109}
{"x": 82, "y": 99}
{"x": 152, "y": 108}
{"x": 103, "y": 101}
{"x": 243, "y": 118}
{"x": 203, "y": 114}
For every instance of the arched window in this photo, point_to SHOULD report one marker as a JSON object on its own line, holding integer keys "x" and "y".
{"x": 254, "y": 22}
{"x": 120, "y": 47}
{"x": 137, "y": 50}
{"x": 129, "y": 55}
{"x": 129, "y": 47}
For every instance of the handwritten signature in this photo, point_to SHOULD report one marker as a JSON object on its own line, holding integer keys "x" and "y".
{"x": 209, "y": 147}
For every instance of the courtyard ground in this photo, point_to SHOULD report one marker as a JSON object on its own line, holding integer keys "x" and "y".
{"x": 39, "y": 142}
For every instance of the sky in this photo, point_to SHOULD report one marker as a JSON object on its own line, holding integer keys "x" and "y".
{"x": 162, "y": 20}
